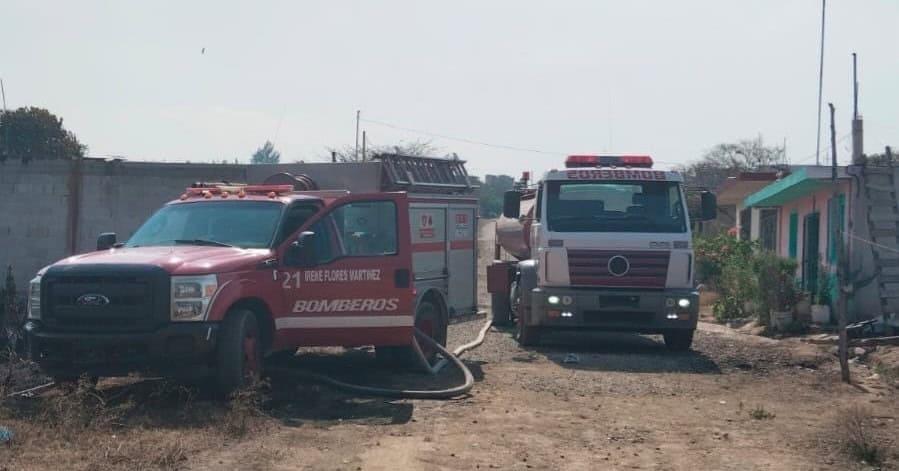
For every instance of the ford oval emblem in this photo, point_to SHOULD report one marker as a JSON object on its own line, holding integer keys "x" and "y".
{"x": 92, "y": 300}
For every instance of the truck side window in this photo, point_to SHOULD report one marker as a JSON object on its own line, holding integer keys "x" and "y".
{"x": 296, "y": 216}
{"x": 367, "y": 228}
{"x": 326, "y": 247}
{"x": 539, "y": 211}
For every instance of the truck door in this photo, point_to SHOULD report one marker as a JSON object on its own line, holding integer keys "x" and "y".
{"x": 354, "y": 287}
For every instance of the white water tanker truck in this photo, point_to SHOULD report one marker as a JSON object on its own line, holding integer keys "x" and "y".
{"x": 603, "y": 244}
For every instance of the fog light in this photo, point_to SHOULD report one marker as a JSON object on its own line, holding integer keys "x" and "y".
{"x": 553, "y": 299}
{"x": 567, "y": 314}
{"x": 683, "y": 303}
{"x": 567, "y": 300}
{"x": 672, "y": 316}
{"x": 669, "y": 302}
{"x": 184, "y": 310}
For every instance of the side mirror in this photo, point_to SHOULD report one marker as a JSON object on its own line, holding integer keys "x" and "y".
{"x": 709, "y": 203}
{"x": 106, "y": 241}
{"x": 300, "y": 253}
{"x": 512, "y": 204}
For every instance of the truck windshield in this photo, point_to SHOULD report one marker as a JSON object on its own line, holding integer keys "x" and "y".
{"x": 615, "y": 206}
{"x": 245, "y": 224}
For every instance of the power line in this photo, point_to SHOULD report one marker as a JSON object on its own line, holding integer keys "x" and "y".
{"x": 482, "y": 143}
{"x": 815, "y": 155}
{"x": 462, "y": 139}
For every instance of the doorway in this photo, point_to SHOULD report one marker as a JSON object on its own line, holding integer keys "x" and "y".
{"x": 810, "y": 252}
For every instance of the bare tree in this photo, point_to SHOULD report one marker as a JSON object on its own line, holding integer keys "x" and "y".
{"x": 415, "y": 148}
{"x": 729, "y": 159}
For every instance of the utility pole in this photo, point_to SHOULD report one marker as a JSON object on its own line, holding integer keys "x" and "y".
{"x": 356, "y": 152}
{"x": 3, "y": 94}
{"x": 858, "y": 132}
{"x": 820, "y": 84}
{"x": 842, "y": 259}
{"x": 363, "y": 145}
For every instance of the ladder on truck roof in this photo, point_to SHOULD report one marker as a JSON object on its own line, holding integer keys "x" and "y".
{"x": 424, "y": 174}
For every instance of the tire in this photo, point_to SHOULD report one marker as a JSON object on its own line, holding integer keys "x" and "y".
{"x": 502, "y": 312}
{"x": 528, "y": 336}
{"x": 429, "y": 320}
{"x": 679, "y": 340}
{"x": 239, "y": 353}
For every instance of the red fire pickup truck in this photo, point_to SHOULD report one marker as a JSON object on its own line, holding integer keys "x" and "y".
{"x": 226, "y": 274}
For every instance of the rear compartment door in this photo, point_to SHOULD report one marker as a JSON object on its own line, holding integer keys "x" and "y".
{"x": 357, "y": 289}
{"x": 462, "y": 259}
{"x": 429, "y": 245}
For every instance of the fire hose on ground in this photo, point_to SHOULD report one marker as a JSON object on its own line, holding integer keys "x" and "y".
{"x": 448, "y": 357}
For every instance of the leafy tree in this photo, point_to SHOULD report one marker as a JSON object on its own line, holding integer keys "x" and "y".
{"x": 415, "y": 148}
{"x": 7, "y": 303}
{"x": 491, "y": 198}
{"x": 729, "y": 159}
{"x": 36, "y": 134}
{"x": 266, "y": 154}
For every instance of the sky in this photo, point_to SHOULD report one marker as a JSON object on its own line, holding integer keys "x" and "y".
{"x": 536, "y": 80}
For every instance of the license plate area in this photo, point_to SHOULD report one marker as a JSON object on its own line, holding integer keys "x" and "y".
{"x": 619, "y": 301}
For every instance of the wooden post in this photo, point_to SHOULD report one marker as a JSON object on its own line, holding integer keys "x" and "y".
{"x": 842, "y": 259}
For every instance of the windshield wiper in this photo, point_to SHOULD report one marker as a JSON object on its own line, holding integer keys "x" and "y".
{"x": 212, "y": 243}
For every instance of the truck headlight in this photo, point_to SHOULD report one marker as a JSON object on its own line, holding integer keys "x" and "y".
{"x": 34, "y": 298}
{"x": 683, "y": 303}
{"x": 191, "y": 296}
{"x": 553, "y": 299}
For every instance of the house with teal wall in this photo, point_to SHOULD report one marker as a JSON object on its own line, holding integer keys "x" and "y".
{"x": 806, "y": 212}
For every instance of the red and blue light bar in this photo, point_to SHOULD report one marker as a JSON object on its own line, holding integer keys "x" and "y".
{"x": 575, "y": 161}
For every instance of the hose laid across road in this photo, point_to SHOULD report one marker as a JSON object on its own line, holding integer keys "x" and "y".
{"x": 449, "y": 357}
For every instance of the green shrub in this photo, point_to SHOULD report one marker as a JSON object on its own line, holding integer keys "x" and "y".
{"x": 822, "y": 294}
{"x": 715, "y": 252}
{"x": 776, "y": 284}
{"x": 748, "y": 281}
{"x": 737, "y": 288}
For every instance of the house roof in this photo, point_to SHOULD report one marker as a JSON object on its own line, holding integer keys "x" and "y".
{"x": 735, "y": 189}
{"x": 802, "y": 181}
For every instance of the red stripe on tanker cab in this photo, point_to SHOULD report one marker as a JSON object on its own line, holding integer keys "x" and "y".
{"x": 462, "y": 245}
{"x": 429, "y": 247}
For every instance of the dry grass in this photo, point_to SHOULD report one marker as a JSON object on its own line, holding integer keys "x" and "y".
{"x": 245, "y": 409}
{"x": 760, "y": 413}
{"x": 141, "y": 425}
{"x": 855, "y": 432}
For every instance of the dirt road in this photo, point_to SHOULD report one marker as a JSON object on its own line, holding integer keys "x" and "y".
{"x": 588, "y": 402}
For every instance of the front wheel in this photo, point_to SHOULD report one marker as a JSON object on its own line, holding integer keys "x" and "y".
{"x": 679, "y": 340}
{"x": 239, "y": 352}
{"x": 528, "y": 335}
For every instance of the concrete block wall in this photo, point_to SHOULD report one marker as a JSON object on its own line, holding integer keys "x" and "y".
{"x": 115, "y": 196}
{"x": 33, "y": 201}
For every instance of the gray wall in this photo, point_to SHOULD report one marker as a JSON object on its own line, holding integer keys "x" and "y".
{"x": 41, "y": 221}
{"x": 115, "y": 196}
